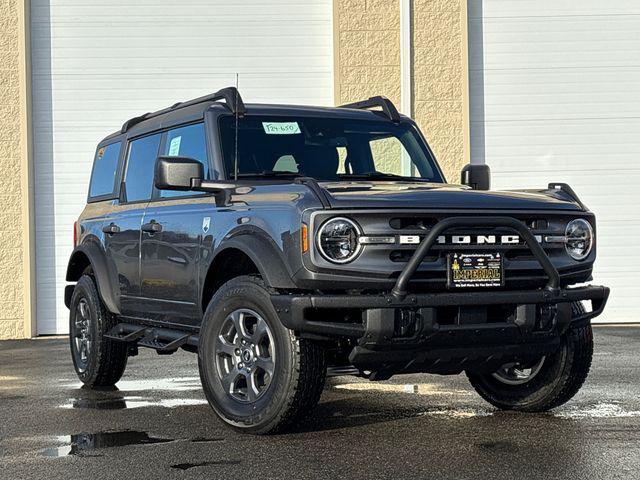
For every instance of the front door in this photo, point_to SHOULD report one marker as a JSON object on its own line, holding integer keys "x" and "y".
{"x": 174, "y": 225}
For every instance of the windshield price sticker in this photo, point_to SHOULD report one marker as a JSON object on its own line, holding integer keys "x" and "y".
{"x": 281, "y": 128}
{"x": 475, "y": 270}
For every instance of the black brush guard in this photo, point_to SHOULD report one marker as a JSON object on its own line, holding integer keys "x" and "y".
{"x": 451, "y": 347}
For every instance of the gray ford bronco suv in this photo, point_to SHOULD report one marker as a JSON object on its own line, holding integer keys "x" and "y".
{"x": 283, "y": 244}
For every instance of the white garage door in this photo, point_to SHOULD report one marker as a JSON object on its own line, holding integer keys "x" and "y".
{"x": 555, "y": 96}
{"x": 97, "y": 63}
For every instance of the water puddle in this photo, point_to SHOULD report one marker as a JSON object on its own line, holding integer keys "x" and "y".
{"x": 419, "y": 389}
{"x": 80, "y": 443}
{"x": 181, "y": 384}
{"x": 114, "y": 399}
{"x": 457, "y": 413}
{"x": 188, "y": 466}
{"x": 599, "y": 410}
{"x": 130, "y": 402}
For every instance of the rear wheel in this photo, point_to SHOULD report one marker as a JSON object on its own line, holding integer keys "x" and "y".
{"x": 544, "y": 383}
{"x": 98, "y": 361}
{"x": 256, "y": 374}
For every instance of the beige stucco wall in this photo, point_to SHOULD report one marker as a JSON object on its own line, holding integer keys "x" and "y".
{"x": 366, "y": 49}
{"x": 15, "y": 257}
{"x": 367, "y": 62}
{"x": 440, "y": 80}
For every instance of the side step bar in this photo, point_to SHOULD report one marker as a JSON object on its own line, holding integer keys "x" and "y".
{"x": 163, "y": 340}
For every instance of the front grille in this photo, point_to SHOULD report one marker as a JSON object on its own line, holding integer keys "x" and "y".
{"x": 521, "y": 267}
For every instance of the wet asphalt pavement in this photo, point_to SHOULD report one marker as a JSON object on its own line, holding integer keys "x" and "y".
{"x": 157, "y": 425}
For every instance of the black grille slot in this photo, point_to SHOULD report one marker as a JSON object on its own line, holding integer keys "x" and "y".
{"x": 405, "y": 255}
{"x": 412, "y": 223}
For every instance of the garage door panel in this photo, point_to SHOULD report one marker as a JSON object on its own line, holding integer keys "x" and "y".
{"x": 96, "y": 64}
{"x": 555, "y": 96}
{"x": 546, "y": 8}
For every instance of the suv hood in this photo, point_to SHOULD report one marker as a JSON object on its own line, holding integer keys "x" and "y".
{"x": 365, "y": 194}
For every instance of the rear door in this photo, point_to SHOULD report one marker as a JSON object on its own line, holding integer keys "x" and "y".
{"x": 123, "y": 226}
{"x": 175, "y": 223}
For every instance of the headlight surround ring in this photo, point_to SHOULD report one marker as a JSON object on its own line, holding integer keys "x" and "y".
{"x": 579, "y": 239}
{"x": 345, "y": 231}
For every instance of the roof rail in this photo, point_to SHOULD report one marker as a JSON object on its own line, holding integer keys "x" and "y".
{"x": 387, "y": 106}
{"x": 230, "y": 95}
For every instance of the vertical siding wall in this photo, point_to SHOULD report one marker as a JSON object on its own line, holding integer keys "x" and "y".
{"x": 14, "y": 322}
{"x": 367, "y": 62}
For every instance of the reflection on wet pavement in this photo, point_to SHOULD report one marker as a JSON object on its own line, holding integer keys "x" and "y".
{"x": 79, "y": 443}
{"x": 420, "y": 388}
{"x": 116, "y": 398}
{"x": 182, "y": 384}
{"x": 129, "y": 402}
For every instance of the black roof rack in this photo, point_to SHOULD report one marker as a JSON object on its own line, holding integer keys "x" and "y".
{"x": 387, "y": 106}
{"x": 230, "y": 95}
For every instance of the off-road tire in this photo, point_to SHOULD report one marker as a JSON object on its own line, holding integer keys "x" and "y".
{"x": 300, "y": 365}
{"x": 561, "y": 376}
{"x": 107, "y": 359}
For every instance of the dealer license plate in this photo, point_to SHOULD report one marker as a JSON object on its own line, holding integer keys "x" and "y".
{"x": 475, "y": 270}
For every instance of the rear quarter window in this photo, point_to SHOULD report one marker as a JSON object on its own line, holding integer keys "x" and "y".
{"x": 105, "y": 168}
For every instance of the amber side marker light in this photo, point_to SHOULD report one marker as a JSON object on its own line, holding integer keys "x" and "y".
{"x": 304, "y": 238}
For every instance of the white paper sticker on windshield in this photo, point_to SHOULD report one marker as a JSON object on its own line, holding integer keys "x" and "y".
{"x": 281, "y": 128}
{"x": 174, "y": 146}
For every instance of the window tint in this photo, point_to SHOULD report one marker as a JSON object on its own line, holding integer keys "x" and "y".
{"x": 105, "y": 166}
{"x": 190, "y": 142}
{"x": 140, "y": 167}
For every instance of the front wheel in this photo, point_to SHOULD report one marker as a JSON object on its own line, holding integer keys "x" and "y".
{"x": 256, "y": 374}
{"x": 542, "y": 384}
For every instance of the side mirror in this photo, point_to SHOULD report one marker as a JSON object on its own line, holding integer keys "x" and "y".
{"x": 178, "y": 173}
{"x": 477, "y": 177}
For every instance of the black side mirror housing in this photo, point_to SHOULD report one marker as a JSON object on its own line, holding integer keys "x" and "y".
{"x": 187, "y": 174}
{"x": 477, "y": 177}
{"x": 178, "y": 173}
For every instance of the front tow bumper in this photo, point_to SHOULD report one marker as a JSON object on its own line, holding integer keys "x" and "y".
{"x": 407, "y": 335}
{"x": 446, "y": 332}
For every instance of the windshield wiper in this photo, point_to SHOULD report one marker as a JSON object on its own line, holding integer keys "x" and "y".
{"x": 380, "y": 176}
{"x": 269, "y": 174}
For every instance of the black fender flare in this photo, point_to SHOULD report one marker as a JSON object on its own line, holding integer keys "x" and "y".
{"x": 263, "y": 252}
{"x": 109, "y": 293}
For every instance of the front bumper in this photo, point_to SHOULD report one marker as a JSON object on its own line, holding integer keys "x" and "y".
{"x": 446, "y": 332}
{"x": 405, "y": 334}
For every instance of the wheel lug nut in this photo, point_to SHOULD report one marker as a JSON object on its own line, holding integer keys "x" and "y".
{"x": 237, "y": 351}
{"x": 241, "y": 365}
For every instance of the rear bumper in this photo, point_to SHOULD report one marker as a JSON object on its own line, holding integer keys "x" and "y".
{"x": 406, "y": 334}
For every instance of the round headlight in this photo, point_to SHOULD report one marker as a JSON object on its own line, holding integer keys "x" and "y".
{"x": 338, "y": 240}
{"x": 579, "y": 239}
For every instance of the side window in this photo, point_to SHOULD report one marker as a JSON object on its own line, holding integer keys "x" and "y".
{"x": 387, "y": 155}
{"x": 190, "y": 142}
{"x": 141, "y": 162}
{"x": 105, "y": 167}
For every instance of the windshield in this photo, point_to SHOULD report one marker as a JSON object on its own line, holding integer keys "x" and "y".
{"x": 325, "y": 149}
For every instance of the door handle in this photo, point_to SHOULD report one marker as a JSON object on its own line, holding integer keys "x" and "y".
{"x": 111, "y": 229}
{"x": 152, "y": 227}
